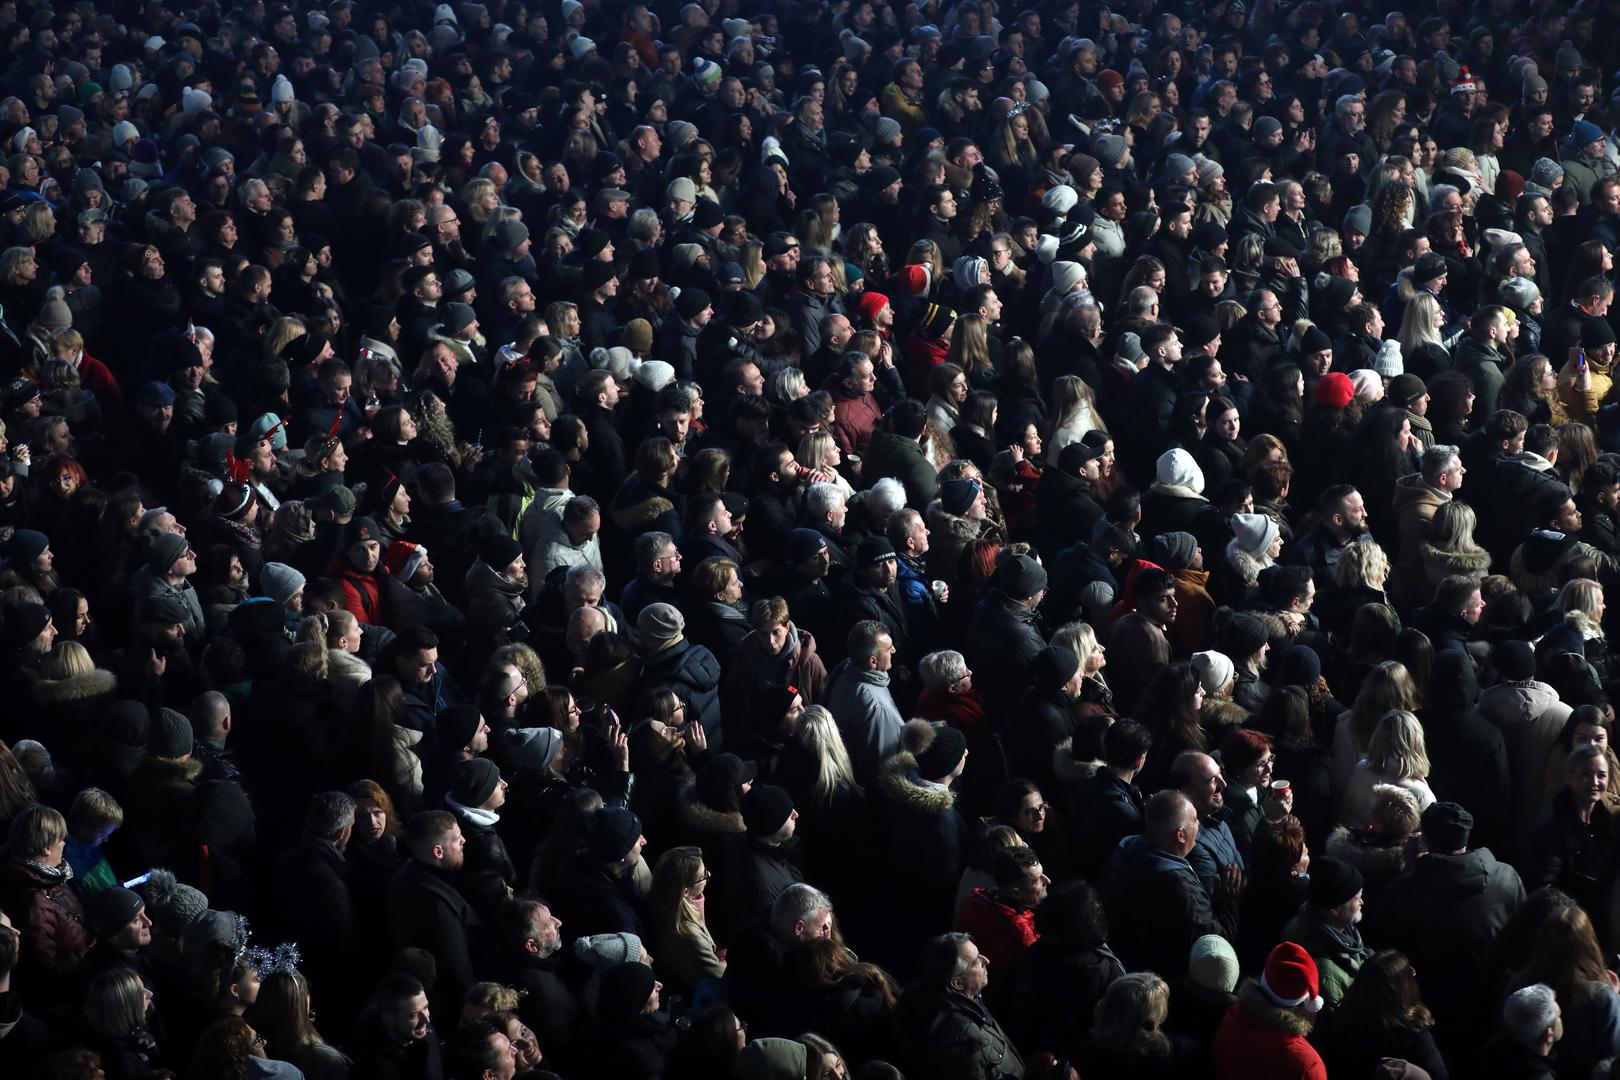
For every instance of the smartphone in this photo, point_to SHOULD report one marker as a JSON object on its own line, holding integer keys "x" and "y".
{"x": 134, "y": 881}
{"x": 1580, "y": 358}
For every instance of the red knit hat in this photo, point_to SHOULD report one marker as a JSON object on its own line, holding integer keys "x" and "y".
{"x": 1290, "y": 978}
{"x": 870, "y": 304}
{"x": 1335, "y": 390}
{"x": 914, "y": 279}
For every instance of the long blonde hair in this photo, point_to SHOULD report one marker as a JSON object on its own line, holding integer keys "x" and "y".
{"x": 1397, "y": 750}
{"x": 1071, "y": 393}
{"x": 677, "y": 870}
{"x": 1417, "y": 324}
{"x": 818, "y": 731}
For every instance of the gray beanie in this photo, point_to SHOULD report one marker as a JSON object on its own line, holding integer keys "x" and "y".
{"x": 280, "y": 582}
{"x": 1546, "y": 172}
{"x": 170, "y": 735}
{"x": 1520, "y": 292}
{"x": 1177, "y": 165}
{"x": 163, "y": 551}
{"x": 1109, "y": 150}
{"x": 602, "y": 951}
{"x": 173, "y": 905}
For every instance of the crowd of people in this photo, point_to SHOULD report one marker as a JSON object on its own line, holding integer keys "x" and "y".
{"x": 611, "y": 540}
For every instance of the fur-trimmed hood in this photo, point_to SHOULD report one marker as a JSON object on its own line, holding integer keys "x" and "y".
{"x": 1253, "y": 1000}
{"x": 1366, "y": 853}
{"x": 1221, "y": 714}
{"x": 97, "y": 683}
{"x": 1445, "y": 563}
{"x": 899, "y": 784}
{"x": 956, "y": 528}
{"x": 636, "y": 506}
{"x": 698, "y": 816}
{"x": 1246, "y": 566}
{"x": 159, "y": 772}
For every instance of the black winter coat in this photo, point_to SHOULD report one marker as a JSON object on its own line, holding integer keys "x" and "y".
{"x": 693, "y": 673}
{"x": 1467, "y": 757}
{"x": 1005, "y": 640}
{"x": 426, "y": 911}
{"x": 924, "y": 843}
{"x": 1444, "y": 914}
{"x": 1157, "y": 908}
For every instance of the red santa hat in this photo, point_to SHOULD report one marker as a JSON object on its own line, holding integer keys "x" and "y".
{"x": 1290, "y": 978}
{"x": 1463, "y": 83}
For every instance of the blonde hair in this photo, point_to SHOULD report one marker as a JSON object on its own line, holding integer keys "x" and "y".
{"x": 1069, "y": 393}
{"x": 818, "y": 731}
{"x": 1579, "y": 600}
{"x": 1397, "y": 749}
{"x": 116, "y": 1003}
{"x": 676, "y": 871}
{"x": 813, "y": 449}
{"x": 1362, "y": 564}
{"x": 1078, "y": 636}
{"x": 1127, "y": 1018}
{"x": 65, "y": 660}
{"x": 1417, "y": 323}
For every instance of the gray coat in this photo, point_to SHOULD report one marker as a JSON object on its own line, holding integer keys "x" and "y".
{"x": 867, "y": 717}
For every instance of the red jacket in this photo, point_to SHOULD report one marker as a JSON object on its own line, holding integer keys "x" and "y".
{"x": 855, "y": 419}
{"x": 1260, "y": 1041}
{"x": 962, "y": 711}
{"x": 1002, "y": 932}
{"x": 362, "y": 593}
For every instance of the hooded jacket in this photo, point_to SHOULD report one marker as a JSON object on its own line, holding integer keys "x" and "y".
{"x": 1415, "y": 504}
{"x": 902, "y": 458}
{"x": 694, "y": 673}
{"x": 494, "y": 600}
{"x": 1530, "y": 716}
{"x": 922, "y": 849}
{"x": 1001, "y": 929}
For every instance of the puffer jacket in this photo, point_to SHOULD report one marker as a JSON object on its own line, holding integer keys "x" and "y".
{"x": 693, "y": 673}
{"x": 952, "y": 1037}
{"x": 42, "y": 904}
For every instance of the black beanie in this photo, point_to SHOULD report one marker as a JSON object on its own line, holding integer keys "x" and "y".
{"x": 473, "y": 781}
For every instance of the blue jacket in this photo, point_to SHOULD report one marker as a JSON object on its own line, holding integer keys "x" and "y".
{"x": 1214, "y": 850}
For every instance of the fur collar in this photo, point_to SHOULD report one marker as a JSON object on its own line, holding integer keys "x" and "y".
{"x": 958, "y": 528}
{"x": 697, "y": 816}
{"x": 638, "y": 513}
{"x": 1252, "y": 1000}
{"x": 344, "y": 665}
{"x": 97, "y": 683}
{"x": 160, "y": 770}
{"x": 1219, "y": 714}
{"x": 1246, "y": 566}
{"x": 1365, "y": 853}
{"x": 899, "y": 786}
{"x": 1455, "y": 562}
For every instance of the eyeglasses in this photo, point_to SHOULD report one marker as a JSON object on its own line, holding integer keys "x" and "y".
{"x": 1039, "y": 810}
